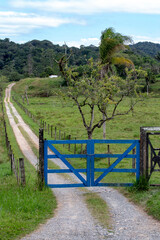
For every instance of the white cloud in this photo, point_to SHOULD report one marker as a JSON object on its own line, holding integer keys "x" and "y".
{"x": 13, "y": 23}
{"x": 91, "y": 6}
{"x": 83, "y": 41}
{"x": 145, "y": 39}
{"x": 96, "y": 41}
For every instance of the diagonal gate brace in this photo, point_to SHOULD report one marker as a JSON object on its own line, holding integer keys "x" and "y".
{"x": 67, "y": 163}
{"x": 114, "y": 164}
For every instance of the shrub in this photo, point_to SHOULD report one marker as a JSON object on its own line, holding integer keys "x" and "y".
{"x": 140, "y": 185}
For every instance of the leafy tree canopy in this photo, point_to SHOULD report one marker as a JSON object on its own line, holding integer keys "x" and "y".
{"x": 91, "y": 92}
{"x": 111, "y": 43}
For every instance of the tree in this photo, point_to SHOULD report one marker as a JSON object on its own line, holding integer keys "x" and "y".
{"x": 92, "y": 92}
{"x": 111, "y": 45}
{"x": 3, "y": 81}
{"x": 158, "y": 56}
{"x": 14, "y": 76}
{"x": 47, "y": 72}
{"x": 149, "y": 78}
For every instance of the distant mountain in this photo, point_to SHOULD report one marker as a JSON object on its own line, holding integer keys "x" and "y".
{"x": 146, "y": 48}
{"x": 37, "y": 58}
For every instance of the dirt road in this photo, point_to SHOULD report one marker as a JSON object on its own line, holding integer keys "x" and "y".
{"x": 72, "y": 219}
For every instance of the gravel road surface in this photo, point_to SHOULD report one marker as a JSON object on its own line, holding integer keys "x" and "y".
{"x": 72, "y": 220}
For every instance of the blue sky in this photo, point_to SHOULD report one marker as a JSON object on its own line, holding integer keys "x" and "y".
{"x": 78, "y": 22}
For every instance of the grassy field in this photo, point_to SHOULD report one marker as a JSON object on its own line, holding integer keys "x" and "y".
{"x": 22, "y": 209}
{"x": 65, "y": 116}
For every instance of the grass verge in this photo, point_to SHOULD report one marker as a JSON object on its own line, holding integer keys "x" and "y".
{"x": 149, "y": 200}
{"x": 99, "y": 209}
{"x": 22, "y": 209}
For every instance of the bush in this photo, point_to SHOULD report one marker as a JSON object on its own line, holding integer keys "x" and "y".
{"x": 14, "y": 76}
{"x": 140, "y": 185}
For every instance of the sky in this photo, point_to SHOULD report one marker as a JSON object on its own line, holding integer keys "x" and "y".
{"x": 78, "y": 22}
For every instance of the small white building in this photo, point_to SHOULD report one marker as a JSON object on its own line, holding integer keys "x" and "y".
{"x": 53, "y": 76}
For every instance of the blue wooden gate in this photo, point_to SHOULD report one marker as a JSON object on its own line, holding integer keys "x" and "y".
{"x": 86, "y": 176}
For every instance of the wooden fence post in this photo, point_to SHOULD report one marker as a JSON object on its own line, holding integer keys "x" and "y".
{"x": 69, "y": 145}
{"x": 55, "y": 133}
{"x": 22, "y": 98}
{"x": 17, "y": 170}
{"x": 133, "y": 159}
{"x": 64, "y": 138}
{"x": 51, "y": 131}
{"x": 143, "y": 152}
{"x": 26, "y": 96}
{"x": 41, "y": 158}
{"x": 59, "y": 134}
{"x": 10, "y": 156}
{"x": 48, "y": 129}
{"x": 75, "y": 148}
{"x": 14, "y": 167}
{"x": 22, "y": 171}
{"x": 109, "y": 160}
{"x": 81, "y": 148}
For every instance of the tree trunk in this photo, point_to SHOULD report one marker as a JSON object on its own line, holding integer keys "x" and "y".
{"x": 104, "y": 127}
{"x": 89, "y": 134}
{"x": 147, "y": 89}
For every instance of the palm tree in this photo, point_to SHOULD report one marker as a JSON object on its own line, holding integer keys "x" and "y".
{"x": 111, "y": 45}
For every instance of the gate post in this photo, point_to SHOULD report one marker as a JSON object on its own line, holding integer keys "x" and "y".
{"x": 90, "y": 162}
{"x": 41, "y": 159}
{"x": 143, "y": 152}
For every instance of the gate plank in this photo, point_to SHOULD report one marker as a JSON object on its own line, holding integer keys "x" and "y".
{"x": 90, "y": 155}
{"x": 115, "y": 163}
{"x": 67, "y": 163}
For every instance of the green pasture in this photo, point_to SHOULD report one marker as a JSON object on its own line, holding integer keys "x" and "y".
{"x": 63, "y": 114}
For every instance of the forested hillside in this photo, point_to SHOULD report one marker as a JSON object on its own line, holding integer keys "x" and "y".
{"x": 37, "y": 58}
{"x": 146, "y": 48}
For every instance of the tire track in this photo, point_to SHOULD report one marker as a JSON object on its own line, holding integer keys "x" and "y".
{"x": 72, "y": 219}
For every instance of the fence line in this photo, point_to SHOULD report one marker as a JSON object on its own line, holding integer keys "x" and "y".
{"x": 58, "y": 135}
{"x": 26, "y": 111}
{"x": 53, "y": 132}
{"x": 15, "y": 165}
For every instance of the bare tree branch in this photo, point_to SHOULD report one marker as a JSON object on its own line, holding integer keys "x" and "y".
{"x": 81, "y": 112}
{"x": 129, "y": 110}
{"x": 84, "y": 102}
{"x": 116, "y": 105}
{"x": 100, "y": 123}
{"x": 61, "y": 63}
{"x": 92, "y": 116}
